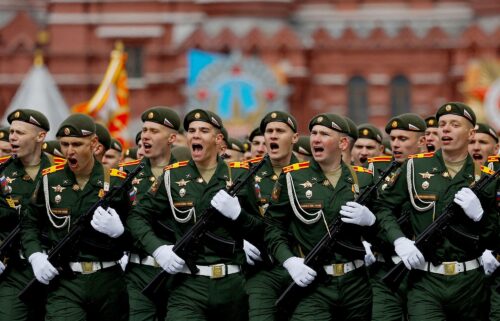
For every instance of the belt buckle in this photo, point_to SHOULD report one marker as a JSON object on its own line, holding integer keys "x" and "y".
{"x": 87, "y": 267}
{"x": 338, "y": 269}
{"x": 218, "y": 271}
{"x": 450, "y": 268}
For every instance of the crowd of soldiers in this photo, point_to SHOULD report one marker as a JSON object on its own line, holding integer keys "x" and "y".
{"x": 272, "y": 200}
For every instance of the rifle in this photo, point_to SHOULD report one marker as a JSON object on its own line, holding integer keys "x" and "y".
{"x": 185, "y": 245}
{"x": 394, "y": 277}
{"x": 58, "y": 254}
{"x": 315, "y": 258}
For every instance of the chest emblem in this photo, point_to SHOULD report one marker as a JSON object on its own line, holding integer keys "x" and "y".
{"x": 446, "y": 174}
{"x": 258, "y": 179}
{"x": 76, "y": 187}
{"x": 26, "y": 177}
{"x": 136, "y": 181}
{"x": 58, "y": 188}
{"x": 274, "y": 177}
{"x": 199, "y": 180}
{"x": 326, "y": 183}
{"x": 182, "y": 192}
{"x": 425, "y": 185}
{"x": 182, "y": 182}
{"x": 57, "y": 199}
{"x": 10, "y": 180}
{"x": 426, "y": 175}
{"x": 306, "y": 184}
{"x": 309, "y": 193}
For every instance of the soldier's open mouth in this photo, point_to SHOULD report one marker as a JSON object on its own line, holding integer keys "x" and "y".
{"x": 318, "y": 149}
{"x": 14, "y": 147}
{"x": 477, "y": 156}
{"x": 431, "y": 148}
{"x": 446, "y": 139}
{"x": 274, "y": 146}
{"x": 363, "y": 160}
{"x": 72, "y": 162}
{"x": 146, "y": 146}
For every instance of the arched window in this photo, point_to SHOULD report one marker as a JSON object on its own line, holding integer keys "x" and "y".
{"x": 400, "y": 95}
{"x": 357, "y": 93}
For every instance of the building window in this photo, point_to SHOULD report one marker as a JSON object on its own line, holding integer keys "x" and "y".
{"x": 400, "y": 95}
{"x": 357, "y": 93}
{"x": 134, "y": 64}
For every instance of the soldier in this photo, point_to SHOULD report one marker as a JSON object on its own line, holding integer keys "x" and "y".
{"x": 113, "y": 155}
{"x": 368, "y": 144}
{"x": 431, "y": 134}
{"x": 52, "y": 147}
{"x": 257, "y": 143}
{"x": 179, "y": 198}
{"x": 352, "y": 136}
{"x": 302, "y": 149}
{"x": 96, "y": 290}
{"x": 5, "y": 148}
{"x": 130, "y": 154}
{"x": 27, "y": 133}
{"x": 406, "y": 133}
{"x": 159, "y": 131}
{"x": 483, "y": 144}
{"x": 446, "y": 282}
{"x": 104, "y": 141}
{"x": 305, "y": 201}
{"x": 266, "y": 281}
{"x": 234, "y": 150}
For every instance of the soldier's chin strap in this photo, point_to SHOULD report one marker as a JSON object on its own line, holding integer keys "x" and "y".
{"x": 410, "y": 178}
{"x": 189, "y": 213}
{"x": 50, "y": 214}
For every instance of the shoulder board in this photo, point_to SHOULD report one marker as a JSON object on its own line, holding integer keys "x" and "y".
{"x": 422, "y": 155}
{"x": 4, "y": 159}
{"x": 52, "y": 169}
{"x": 117, "y": 173}
{"x": 361, "y": 169}
{"x": 176, "y": 165}
{"x": 379, "y": 159}
{"x": 239, "y": 165}
{"x": 493, "y": 159}
{"x": 254, "y": 160}
{"x": 133, "y": 162}
{"x": 487, "y": 170}
{"x": 295, "y": 167}
{"x": 59, "y": 160}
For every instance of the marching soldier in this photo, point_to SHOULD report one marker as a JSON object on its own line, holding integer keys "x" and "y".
{"x": 257, "y": 143}
{"x": 234, "y": 150}
{"x": 103, "y": 143}
{"x": 178, "y": 198}
{"x": 431, "y": 134}
{"x": 302, "y": 149}
{"x": 5, "y": 148}
{"x": 113, "y": 155}
{"x": 446, "y": 282}
{"x": 307, "y": 198}
{"x": 368, "y": 144}
{"x": 53, "y": 147}
{"x": 96, "y": 289}
{"x": 483, "y": 144}
{"x": 159, "y": 130}
{"x": 352, "y": 136}
{"x": 27, "y": 133}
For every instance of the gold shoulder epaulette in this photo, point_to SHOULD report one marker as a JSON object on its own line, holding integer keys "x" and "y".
{"x": 493, "y": 158}
{"x": 487, "y": 170}
{"x": 239, "y": 165}
{"x": 378, "y": 159}
{"x": 117, "y": 173}
{"x": 176, "y": 165}
{"x": 52, "y": 169}
{"x": 295, "y": 167}
{"x": 254, "y": 160}
{"x": 59, "y": 160}
{"x": 361, "y": 169}
{"x": 4, "y": 159}
{"x": 422, "y": 155}
{"x": 133, "y": 162}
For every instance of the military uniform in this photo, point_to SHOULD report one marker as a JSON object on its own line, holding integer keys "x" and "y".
{"x": 96, "y": 290}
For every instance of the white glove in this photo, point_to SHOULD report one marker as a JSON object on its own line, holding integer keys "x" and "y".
{"x": 301, "y": 274}
{"x": 251, "y": 252}
{"x": 107, "y": 222}
{"x": 44, "y": 271}
{"x": 2, "y": 267}
{"x": 490, "y": 263}
{"x": 369, "y": 257}
{"x": 124, "y": 261}
{"x": 355, "y": 213}
{"x": 409, "y": 253}
{"x": 469, "y": 202}
{"x": 226, "y": 205}
{"x": 168, "y": 260}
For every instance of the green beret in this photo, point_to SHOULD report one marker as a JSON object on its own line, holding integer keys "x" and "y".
{"x": 181, "y": 152}
{"x": 103, "y": 135}
{"x": 353, "y": 130}
{"x": 410, "y": 122}
{"x": 235, "y": 145}
{"x": 486, "y": 129}
{"x": 279, "y": 116}
{"x": 52, "y": 147}
{"x": 116, "y": 145}
{"x": 332, "y": 121}
{"x": 204, "y": 116}
{"x": 303, "y": 146}
{"x": 76, "y": 125}
{"x": 459, "y": 109}
{"x": 369, "y": 131}
{"x": 138, "y": 138}
{"x": 30, "y": 116}
{"x": 131, "y": 153}
{"x": 225, "y": 135}
{"x": 431, "y": 122}
{"x": 4, "y": 133}
{"x": 163, "y": 116}
{"x": 387, "y": 146}
{"x": 254, "y": 133}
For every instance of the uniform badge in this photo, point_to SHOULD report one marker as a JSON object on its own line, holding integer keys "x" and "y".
{"x": 182, "y": 192}
{"x": 257, "y": 179}
{"x": 426, "y": 175}
{"x": 384, "y": 186}
{"x": 425, "y": 185}
{"x": 136, "y": 181}
{"x": 264, "y": 173}
{"x": 10, "y": 180}
{"x": 76, "y": 187}
{"x": 199, "y": 180}
{"x": 446, "y": 174}
{"x": 182, "y": 183}
{"x": 101, "y": 193}
{"x": 274, "y": 177}
{"x": 326, "y": 183}
{"x": 307, "y": 184}
{"x": 275, "y": 195}
{"x": 57, "y": 199}
{"x": 229, "y": 183}
{"x": 152, "y": 179}
{"x": 26, "y": 177}
{"x": 309, "y": 193}
{"x": 154, "y": 188}
{"x": 355, "y": 188}
{"x": 58, "y": 188}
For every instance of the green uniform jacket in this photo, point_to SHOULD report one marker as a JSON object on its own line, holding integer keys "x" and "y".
{"x": 68, "y": 201}
{"x": 433, "y": 185}
{"x": 190, "y": 196}
{"x": 494, "y": 164}
{"x": 313, "y": 192}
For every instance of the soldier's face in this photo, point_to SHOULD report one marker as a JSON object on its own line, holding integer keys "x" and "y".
{"x": 111, "y": 158}
{"x": 481, "y": 146}
{"x": 455, "y": 133}
{"x": 78, "y": 152}
{"x": 156, "y": 139}
{"x": 233, "y": 155}
{"x": 24, "y": 138}
{"x": 327, "y": 145}
{"x": 140, "y": 150}
{"x": 432, "y": 139}
{"x": 365, "y": 148}
{"x": 204, "y": 141}
{"x": 279, "y": 139}
{"x": 405, "y": 143}
{"x": 258, "y": 148}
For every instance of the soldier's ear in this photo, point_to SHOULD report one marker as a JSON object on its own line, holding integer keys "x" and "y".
{"x": 40, "y": 137}
{"x": 172, "y": 137}
{"x": 295, "y": 138}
